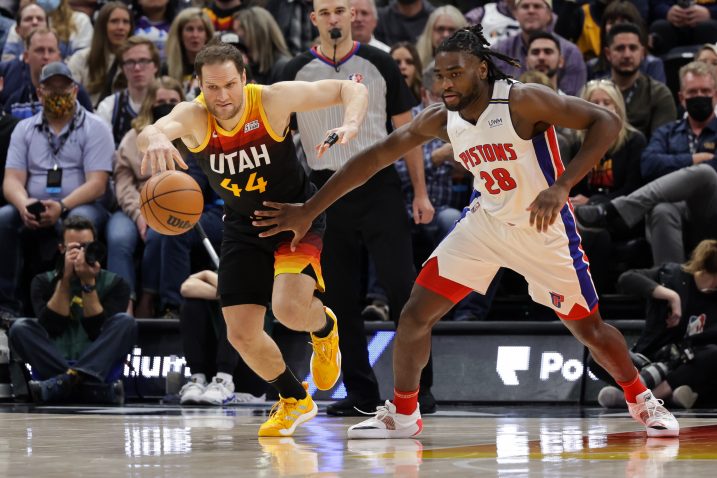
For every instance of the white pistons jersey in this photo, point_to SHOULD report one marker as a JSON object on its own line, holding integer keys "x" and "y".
{"x": 509, "y": 171}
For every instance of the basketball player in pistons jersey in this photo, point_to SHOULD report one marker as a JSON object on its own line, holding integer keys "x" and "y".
{"x": 241, "y": 132}
{"x": 502, "y": 132}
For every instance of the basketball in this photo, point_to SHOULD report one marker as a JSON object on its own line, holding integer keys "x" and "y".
{"x": 171, "y": 202}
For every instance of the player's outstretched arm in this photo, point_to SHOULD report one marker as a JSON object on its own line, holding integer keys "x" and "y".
{"x": 430, "y": 123}
{"x": 288, "y": 97}
{"x": 536, "y": 107}
{"x": 155, "y": 140}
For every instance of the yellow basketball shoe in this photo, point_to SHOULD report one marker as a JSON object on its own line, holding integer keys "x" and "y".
{"x": 287, "y": 414}
{"x": 326, "y": 359}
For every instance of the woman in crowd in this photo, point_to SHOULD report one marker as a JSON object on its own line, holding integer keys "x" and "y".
{"x": 442, "y": 23}
{"x": 127, "y": 228}
{"x": 153, "y": 18}
{"x": 680, "y": 334}
{"x": 268, "y": 52}
{"x": 617, "y": 174}
{"x": 74, "y": 29}
{"x": 410, "y": 65}
{"x": 190, "y": 31}
{"x": 707, "y": 54}
{"x": 95, "y": 67}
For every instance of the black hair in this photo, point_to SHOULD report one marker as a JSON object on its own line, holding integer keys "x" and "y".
{"x": 471, "y": 40}
{"x": 543, "y": 35}
{"x": 624, "y": 28}
{"x": 77, "y": 223}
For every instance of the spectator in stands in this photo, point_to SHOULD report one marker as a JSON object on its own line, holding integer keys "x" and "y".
{"x": 127, "y": 228}
{"x": 617, "y": 174}
{"x": 402, "y": 20}
{"x": 443, "y": 22}
{"x": 410, "y": 65}
{"x": 293, "y": 20}
{"x": 373, "y": 216}
{"x": 190, "y": 31}
{"x": 682, "y": 23}
{"x": 29, "y": 17}
{"x": 221, "y": 13}
{"x": 138, "y": 59}
{"x": 22, "y": 77}
{"x": 73, "y": 28}
{"x": 681, "y": 317}
{"x": 497, "y": 18}
{"x": 152, "y": 19}
{"x": 268, "y": 53}
{"x": 58, "y": 159}
{"x": 683, "y": 198}
{"x": 544, "y": 56}
{"x": 206, "y": 348}
{"x": 648, "y": 102}
{"x": 707, "y": 54}
{"x": 623, "y": 11}
{"x": 166, "y": 261}
{"x": 536, "y": 15}
{"x": 96, "y": 67}
{"x": 7, "y": 125}
{"x": 364, "y": 23}
{"x": 81, "y": 332}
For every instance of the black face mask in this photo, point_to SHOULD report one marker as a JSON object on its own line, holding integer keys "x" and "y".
{"x": 699, "y": 107}
{"x": 162, "y": 110}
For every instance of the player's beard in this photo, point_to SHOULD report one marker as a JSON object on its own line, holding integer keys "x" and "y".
{"x": 223, "y": 115}
{"x": 464, "y": 100}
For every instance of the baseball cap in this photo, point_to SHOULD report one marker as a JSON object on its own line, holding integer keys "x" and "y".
{"x": 548, "y": 2}
{"x": 55, "y": 68}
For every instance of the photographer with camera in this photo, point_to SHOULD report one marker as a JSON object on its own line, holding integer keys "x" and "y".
{"x": 678, "y": 346}
{"x": 81, "y": 334}
{"x": 682, "y": 23}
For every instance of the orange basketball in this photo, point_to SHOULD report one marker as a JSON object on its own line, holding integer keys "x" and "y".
{"x": 171, "y": 202}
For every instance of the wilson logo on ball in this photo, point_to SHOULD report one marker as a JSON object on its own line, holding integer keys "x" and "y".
{"x": 176, "y": 222}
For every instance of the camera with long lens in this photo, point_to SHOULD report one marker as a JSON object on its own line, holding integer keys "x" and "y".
{"x": 94, "y": 252}
{"x": 667, "y": 359}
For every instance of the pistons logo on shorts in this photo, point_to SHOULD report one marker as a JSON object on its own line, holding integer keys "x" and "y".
{"x": 357, "y": 77}
{"x": 557, "y": 299}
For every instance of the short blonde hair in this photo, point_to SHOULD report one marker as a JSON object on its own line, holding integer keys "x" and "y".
{"x": 610, "y": 89}
{"x": 703, "y": 258}
{"x": 698, "y": 68}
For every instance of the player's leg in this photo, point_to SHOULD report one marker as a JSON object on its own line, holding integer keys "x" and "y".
{"x": 297, "y": 276}
{"x": 431, "y": 298}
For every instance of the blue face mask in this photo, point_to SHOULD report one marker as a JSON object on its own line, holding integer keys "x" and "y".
{"x": 48, "y": 5}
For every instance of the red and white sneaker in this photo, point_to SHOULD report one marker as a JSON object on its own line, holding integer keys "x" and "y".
{"x": 387, "y": 423}
{"x": 658, "y": 421}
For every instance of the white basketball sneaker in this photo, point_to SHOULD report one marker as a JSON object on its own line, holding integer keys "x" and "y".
{"x": 218, "y": 392}
{"x": 191, "y": 392}
{"x": 387, "y": 423}
{"x": 649, "y": 411}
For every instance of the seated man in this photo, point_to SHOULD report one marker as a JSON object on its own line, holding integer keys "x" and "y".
{"x": 81, "y": 332}
{"x": 22, "y": 76}
{"x": 58, "y": 164}
{"x": 685, "y": 200}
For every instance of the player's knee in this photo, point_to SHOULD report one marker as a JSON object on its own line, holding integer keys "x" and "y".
{"x": 240, "y": 337}
{"x": 290, "y": 312}
{"x": 414, "y": 318}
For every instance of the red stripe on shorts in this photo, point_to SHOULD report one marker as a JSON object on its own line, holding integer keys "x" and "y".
{"x": 430, "y": 279}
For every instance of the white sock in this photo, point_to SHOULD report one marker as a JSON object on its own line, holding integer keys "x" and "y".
{"x": 226, "y": 378}
{"x": 199, "y": 378}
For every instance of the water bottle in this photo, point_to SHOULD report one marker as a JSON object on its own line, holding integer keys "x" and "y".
{"x": 173, "y": 381}
{"x": 5, "y": 382}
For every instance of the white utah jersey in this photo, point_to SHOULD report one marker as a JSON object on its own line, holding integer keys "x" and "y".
{"x": 509, "y": 171}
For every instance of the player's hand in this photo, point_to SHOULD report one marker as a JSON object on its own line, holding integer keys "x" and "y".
{"x": 161, "y": 155}
{"x": 545, "y": 208}
{"x": 341, "y": 135}
{"x": 284, "y": 217}
{"x": 422, "y": 210}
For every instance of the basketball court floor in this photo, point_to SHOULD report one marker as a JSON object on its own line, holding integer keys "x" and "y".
{"x": 506, "y": 441}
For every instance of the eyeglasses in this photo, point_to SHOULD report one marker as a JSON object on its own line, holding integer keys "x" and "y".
{"x": 601, "y": 81}
{"x": 142, "y": 63}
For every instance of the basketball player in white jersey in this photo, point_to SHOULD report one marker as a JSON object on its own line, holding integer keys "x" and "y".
{"x": 503, "y": 133}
